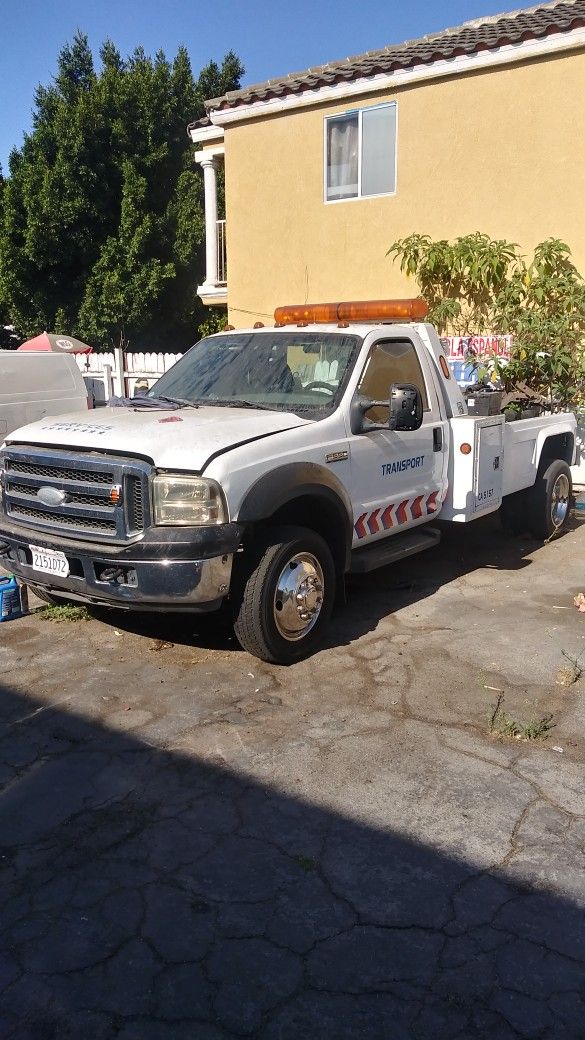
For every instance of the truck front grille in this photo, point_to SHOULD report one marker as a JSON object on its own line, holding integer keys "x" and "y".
{"x": 65, "y": 520}
{"x": 80, "y": 476}
{"x": 135, "y": 509}
{"x": 28, "y": 491}
{"x": 76, "y": 494}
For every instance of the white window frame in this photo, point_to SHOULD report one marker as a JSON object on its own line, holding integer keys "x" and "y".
{"x": 359, "y": 197}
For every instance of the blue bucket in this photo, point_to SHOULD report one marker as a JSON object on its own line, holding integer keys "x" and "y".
{"x": 12, "y": 601}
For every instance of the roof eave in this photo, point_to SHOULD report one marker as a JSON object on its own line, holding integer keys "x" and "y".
{"x": 492, "y": 33}
{"x": 461, "y": 64}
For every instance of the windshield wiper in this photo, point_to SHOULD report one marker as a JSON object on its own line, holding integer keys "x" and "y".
{"x": 160, "y": 401}
{"x": 181, "y": 402}
{"x": 231, "y": 403}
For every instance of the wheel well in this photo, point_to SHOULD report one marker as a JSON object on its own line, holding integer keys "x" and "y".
{"x": 559, "y": 446}
{"x": 319, "y": 515}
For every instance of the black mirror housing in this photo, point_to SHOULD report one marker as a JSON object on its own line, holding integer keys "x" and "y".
{"x": 406, "y": 407}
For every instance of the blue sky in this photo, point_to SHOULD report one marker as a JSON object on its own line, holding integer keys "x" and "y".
{"x": 270, "y": 37}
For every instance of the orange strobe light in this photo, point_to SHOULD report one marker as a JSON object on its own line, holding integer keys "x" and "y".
{"x": 356, "y": 310}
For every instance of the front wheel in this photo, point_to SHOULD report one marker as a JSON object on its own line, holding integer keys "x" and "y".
{"x": 285, "y": 596}
{"x": 550, "y": 500}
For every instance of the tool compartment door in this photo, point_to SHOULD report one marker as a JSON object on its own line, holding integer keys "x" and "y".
{"x": 476, "y": 467}
{"x": 489, "y": 466}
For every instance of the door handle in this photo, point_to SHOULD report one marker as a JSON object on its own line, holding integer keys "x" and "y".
{"x": 437, "y": 438}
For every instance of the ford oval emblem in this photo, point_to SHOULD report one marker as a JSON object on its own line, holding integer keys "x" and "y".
{"x": 51, "y": 496}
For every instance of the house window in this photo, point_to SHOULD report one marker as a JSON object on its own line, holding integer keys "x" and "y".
{"x": 360, "y": 153}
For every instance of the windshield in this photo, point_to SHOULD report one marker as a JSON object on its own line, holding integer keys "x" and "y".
{"x": 300, "y": 371}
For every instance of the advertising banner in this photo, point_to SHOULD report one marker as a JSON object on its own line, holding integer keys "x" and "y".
{"x": 462, "y": 351}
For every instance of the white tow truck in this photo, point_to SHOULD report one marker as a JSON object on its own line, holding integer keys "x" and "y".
{"x": 266, "y": 465}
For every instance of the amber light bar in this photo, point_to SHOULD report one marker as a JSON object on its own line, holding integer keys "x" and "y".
{"x": 356, "y": 310}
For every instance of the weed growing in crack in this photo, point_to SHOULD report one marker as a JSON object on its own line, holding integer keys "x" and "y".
{"x": 306, "y": 863}
{"x": 570, "y": 673}
{"x": 63, "y": 612}
{"x": 501, "y": 724}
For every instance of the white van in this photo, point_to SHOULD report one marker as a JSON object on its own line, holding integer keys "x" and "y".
{"x": 36, "y": 384}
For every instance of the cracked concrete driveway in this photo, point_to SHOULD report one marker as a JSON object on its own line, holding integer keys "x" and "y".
{"x": 197, "y": 845}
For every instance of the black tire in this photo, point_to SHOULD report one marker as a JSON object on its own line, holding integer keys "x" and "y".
{"x": 514, "y": 513}
{"x": 269, "y": 566}
{"x": 549, "y": 500}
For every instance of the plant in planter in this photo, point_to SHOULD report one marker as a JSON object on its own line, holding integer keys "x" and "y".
{"x": 479, "y": 283}
{"x": 512, "y": 411}
{"x": 525, "y": 409}
{"x": 531, "y": 410}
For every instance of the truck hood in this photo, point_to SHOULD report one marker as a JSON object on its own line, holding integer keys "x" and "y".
{"x": 183, "y": 439}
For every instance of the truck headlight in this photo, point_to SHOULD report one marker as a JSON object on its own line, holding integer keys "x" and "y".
{"x": 181, "y": 501}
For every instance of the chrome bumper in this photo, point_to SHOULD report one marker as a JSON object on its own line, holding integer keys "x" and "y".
{"x": 131, "y": 584}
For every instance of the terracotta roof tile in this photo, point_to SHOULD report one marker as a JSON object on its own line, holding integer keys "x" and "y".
{"x": 469, "y": 38}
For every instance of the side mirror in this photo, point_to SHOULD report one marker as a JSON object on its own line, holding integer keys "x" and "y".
{"x": 357, "y": 415}
{"x": 406, "y": 407}
{"x": 405, "y": 410}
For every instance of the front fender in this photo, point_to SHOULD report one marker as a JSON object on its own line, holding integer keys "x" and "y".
{"x": 293, "y": 481}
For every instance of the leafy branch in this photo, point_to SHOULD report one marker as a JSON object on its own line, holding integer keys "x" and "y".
{"x": 476, "y": 285}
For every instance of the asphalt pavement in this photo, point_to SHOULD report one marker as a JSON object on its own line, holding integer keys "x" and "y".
{"x": 198, "y": 846}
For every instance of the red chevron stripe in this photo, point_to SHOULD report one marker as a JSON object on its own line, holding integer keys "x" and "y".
{"x": 401, "y": 512}
{"x": 387, "y": 520}
{"x": 432, "y": 502}
{"x": 373, "y": 522}
{"x": 417, "y": 507}
{"x": 359, "y": 526}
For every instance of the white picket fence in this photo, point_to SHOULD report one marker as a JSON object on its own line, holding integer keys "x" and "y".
{"x": 116, "y": 373}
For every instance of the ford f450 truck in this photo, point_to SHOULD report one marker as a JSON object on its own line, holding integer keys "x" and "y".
{"x": 265, "y": 466}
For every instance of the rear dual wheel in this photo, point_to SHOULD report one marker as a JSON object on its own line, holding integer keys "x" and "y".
{"x": 550, "y": 500}
{"x": 544, "y": 508}
{"x": 284, "y": 595}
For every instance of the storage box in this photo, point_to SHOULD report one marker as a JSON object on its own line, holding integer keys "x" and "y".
{"x": 489, "y": 403}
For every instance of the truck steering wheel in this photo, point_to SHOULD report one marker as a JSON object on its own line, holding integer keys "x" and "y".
{"x": 317, "y": 384}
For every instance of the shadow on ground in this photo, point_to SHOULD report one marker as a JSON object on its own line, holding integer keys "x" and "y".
{"x": 464, "y": 548}
{"x": 146, "y": 895}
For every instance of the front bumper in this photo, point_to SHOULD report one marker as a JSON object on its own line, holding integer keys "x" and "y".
{"x": 174, "y": 570}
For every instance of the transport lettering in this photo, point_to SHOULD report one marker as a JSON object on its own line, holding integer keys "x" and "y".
{"x": 388, "y": 468}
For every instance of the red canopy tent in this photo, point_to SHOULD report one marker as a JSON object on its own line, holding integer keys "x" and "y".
{"x": 57, "y": 344}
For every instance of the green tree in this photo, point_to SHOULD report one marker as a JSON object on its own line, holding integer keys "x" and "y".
{"x": 125, "y": 285}
{"x": 476, "y": 285}
{"x": 215, "y": 321}
{"x": 460, "y": 280}
{"x": 9, "y": 339}
{"x": 101, "y": 216}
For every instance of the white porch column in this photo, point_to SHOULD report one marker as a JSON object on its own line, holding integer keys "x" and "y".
{"x": 212, "y": 291}
{"x": 209, "y": 164}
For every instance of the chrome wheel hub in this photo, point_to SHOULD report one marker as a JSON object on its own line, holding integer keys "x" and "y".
{"x": 559, "y": 504}
{"x": 299, "y": 596}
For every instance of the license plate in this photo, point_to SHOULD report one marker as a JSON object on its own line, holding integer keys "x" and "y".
{"x": 49, "y": 561}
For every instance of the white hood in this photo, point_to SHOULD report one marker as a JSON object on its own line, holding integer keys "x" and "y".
{"x": 181, "y": 439}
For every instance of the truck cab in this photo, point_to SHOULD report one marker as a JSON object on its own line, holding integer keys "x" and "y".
{"x": 266, "y": 465}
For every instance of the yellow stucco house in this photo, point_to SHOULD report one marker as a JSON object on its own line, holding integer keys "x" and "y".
{"x": 477, "y": 128}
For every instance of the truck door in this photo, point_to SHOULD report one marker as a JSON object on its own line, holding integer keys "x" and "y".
{"x": 398, "y": 477}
